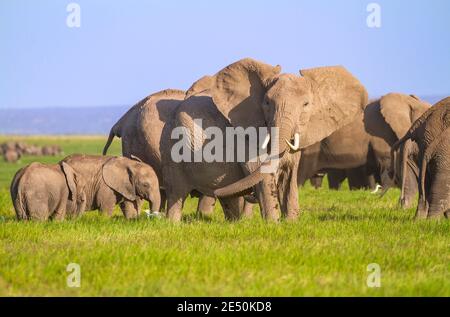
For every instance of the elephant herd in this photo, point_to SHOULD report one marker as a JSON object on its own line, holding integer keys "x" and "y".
{"x": 318, "y": 121}
{"x": 13, "y": 151}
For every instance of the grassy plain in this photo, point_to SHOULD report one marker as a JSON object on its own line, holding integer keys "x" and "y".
{"x": 326, "y": 252}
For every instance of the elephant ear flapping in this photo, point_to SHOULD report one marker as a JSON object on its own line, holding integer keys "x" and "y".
{"x": 117, "y": 174}
{"x": 339, "y": 98}
{"x": 239, "y": 90}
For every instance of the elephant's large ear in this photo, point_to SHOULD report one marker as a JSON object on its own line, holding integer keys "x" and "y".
{"x": 69, "y": 172}
{"x": 338, "y": 98}
{"x": 118, "y": 175}
{"x": 203, "y": 84}
{"x": 400, "y": 111}
{"x": 239, "y": 90}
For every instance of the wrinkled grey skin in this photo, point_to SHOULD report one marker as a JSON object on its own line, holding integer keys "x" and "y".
{"x": 427, "y": 143}
{"x": 41, "y": 192}
{"x": 116, "y": 180}
{"x": 253, "y": 94}
{"x": 140, "y": 130}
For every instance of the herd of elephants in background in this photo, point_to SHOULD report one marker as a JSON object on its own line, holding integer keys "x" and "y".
{"x": 326, "y": 125}
{"x": 13, "y": 151}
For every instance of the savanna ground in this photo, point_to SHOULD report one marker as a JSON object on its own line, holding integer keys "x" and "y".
{"x": 326, "y": 252}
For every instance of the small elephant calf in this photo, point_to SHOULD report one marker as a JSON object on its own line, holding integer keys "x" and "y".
{"x": 117, "y": 180}
{"x": 40, "y": 192}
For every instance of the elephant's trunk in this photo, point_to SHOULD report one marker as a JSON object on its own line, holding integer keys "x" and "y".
{"x": 239, "y": 187}
{"x": 155, "y": 200}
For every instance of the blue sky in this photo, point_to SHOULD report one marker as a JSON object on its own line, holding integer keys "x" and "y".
{"x": 125, "y": 50}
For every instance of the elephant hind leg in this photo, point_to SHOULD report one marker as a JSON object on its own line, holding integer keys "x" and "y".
{"x": 439, "y": 197}
{"x": 175, "y": 203}
{"x": 205, "y": 206}
{"x": 248, "y": 210}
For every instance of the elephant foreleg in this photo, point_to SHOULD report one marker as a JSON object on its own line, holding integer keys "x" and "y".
{"x": 268, "y": 198}
{"x": 232, "y": 207}
{"x": 130, "y": 209}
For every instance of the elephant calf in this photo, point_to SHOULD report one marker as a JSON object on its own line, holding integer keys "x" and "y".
{"x": 40, "y": 192}
{"x": 117, "y": 180}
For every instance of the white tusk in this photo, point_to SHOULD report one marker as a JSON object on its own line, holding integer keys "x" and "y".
{"x": 377, "y": 188}
{"x": 266, "y": 142}
{"x": 296, "y": 145}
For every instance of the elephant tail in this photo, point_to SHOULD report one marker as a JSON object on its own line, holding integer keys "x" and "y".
{"x": 111, "y": 136}
{"x": 17, "y": 196}
{"x": 19, "y": 205}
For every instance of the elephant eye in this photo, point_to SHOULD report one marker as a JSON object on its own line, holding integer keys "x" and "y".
{"x": 306, "y": 104}
{"x": 146, "y": 185}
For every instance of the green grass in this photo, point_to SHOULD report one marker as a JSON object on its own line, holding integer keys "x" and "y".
{"x": 325, "y": 252}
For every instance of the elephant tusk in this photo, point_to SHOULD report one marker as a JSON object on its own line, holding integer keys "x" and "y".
{"x": 296, "y": 145}
{"x": 377, "y": 189}
{"x": 266, "y": 142}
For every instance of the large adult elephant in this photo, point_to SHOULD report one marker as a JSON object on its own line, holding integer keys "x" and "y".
{"x": 364, "y": 145}
{"x": 430, "y": 136}
{"x": 305, "y": 109}
{"x": 140, "y": 130}
{"x": 386, "y": 121}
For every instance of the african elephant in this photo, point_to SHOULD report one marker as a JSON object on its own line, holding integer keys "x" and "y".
{"x": 116, "y": 180}
{"x": 249, "y": 94}
{"x": 11, "y": 156}
{"x": 362, "y": 148}
{"x": 387, "y": 120}
{"x": 140, "y": 130}
{"x": 40, "y": 192}
{"x": 428, "y": 140}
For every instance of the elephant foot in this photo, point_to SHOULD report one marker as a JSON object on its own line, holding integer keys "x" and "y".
{"x": 422, "y": 210}
{"x": 273, "y": 216}
{"x": 435, "y": 216}
{"x": 406, "y": 203}
{"x": 293, "y": 215}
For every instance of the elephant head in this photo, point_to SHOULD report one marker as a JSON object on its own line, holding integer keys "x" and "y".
{"x": 305, "y": 109}
{"x": 76, "y": 184}
{"x": 132, "y": 179}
